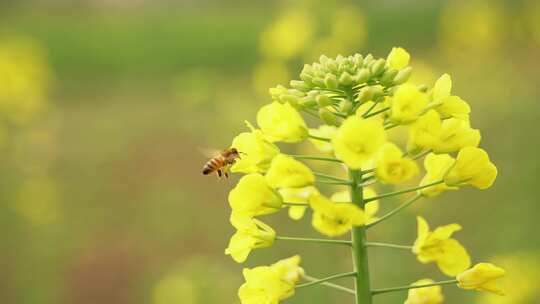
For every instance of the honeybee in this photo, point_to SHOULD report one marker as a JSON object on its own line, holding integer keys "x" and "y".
{"x": 221, "y": 162}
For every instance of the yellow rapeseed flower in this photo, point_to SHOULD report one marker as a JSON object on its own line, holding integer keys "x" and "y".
{"x": 430, "y": 132}
{"x": 436, "y": 168}
{"x": 407, "y": 104}
{"x": 370, "y": 209}
{"x": 282, "y": 122}
{"x": 375, "y": 107}
{"x": 324, "y": 131}
{"x": 438, "y": 246}
{"x": 472, "y": 167}
{"x": 257, "y": 152}
{"x": 482, "y": 278}
{"x": 456, "y": 134}
{"x": 358, "y": 140}
{"x": 270, "y": 284}
{"x": 298, "y": 196}
{"x": 446, "y": 104}
{"x": 392, "y": 167}
{"x": 398, "y": 58}
{"x": 425, "y": 295}
{"x": 287, "y": 172}
{"x": 334, "y": 219}
{"x": 250, "y": 234}
{"x": 253, "y": 196}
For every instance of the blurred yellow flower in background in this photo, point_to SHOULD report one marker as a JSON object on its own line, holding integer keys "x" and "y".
{"x": 25, "y": 79}
{"x": 175, "y": 288}
{"x": 520, "y": 283}
{"x": 472, "y": 25}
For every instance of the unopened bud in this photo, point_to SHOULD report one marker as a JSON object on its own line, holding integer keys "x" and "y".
{"x": 319, "y": 82}
{"x": 345, "y": 106}
{"x": 308, "y": 101}
{"x": 403, "y": 76}
{"x": 323, "y": 59}
{"x": 323, "y": 100}
{"x": 328, "y": 117}
{"x": 365, "y": 94}
{"x": 331, "y": 81}
{"x": 368, "y": 60}
{"x": 362, "y": 75}
{"x": 299, "y": 85}
{"x": 345, "y": 79}
{"x": 378, "y": 67}
{"x": 358, "y": 59}
{"x": 388, "y": 76}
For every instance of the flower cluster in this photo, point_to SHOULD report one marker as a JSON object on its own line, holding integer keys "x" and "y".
{"x": 358, "y": 100}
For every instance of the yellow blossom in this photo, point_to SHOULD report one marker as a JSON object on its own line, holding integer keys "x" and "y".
{"x": 257, "y": 152}
{"x": 334, "y": 219}
{"x": 432, "y": 133}
{"x": 438, "y": 246}
{"x": 407, "y": 104}
{"x": 282, "y": 122}
{"x": 287, "y": 172}
{"x": 398, "y": 58}
{"x": 297, "y": 196}
{"x": 425, "y": 295}
{"x": 252, "y": 196}
{"x": 472, "y": 167}
{"x": 357, "y": 141}
{"x": 456, "y": 134}
{"x": 270, "y": 284}
{"x": 436, "y": 168}
{"x": 370, "y": 208}
{"x": 482, "y": 278}
{"x": 392, "y": 167}
{"x": 324, "y": 131}
{"x": 446, "y": 104}
{"x": 250, "y": 234}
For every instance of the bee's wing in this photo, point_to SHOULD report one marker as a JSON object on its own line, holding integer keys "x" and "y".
{"x": 210, "y": 153}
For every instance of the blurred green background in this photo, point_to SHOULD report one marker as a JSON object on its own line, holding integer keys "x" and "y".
{"x": 105, "y": 103}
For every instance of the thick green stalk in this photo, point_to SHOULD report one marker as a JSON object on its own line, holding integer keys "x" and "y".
{"x": 360, "y": 258}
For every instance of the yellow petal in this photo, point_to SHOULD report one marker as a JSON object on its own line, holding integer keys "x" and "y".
{"x": 282, "y": 122}
{"x": 442, "y": 88}
{"x": 454, "y": 259}
{"x": 287, "y": 172}
{"x": 398, "y": 58}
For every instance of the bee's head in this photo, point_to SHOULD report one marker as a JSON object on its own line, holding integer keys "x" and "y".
{"x": 234, "y": 150}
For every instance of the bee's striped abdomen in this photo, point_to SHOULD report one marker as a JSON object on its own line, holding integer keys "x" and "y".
{"x": 213, "y": 165}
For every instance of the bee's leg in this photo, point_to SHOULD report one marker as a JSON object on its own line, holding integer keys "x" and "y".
{"x": 226, "y": 171}
{"x": 219, "y": 172}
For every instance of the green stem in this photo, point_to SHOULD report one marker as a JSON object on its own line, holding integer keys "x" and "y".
{"x": 322, "y": 158}
{"x": 391, "y": 289}
{"x": 390, "y": 194}
{"x": 333, "y": 277}
{"x": 319, "y": 138}
{"x": 398, "y": 209}
{"x": 295, "y": 204}
{"x": 328, "y": 284}
{"x": 359, "y": 251}
{"x": 375, "y": 244}
{"x": 419, "y": 155}
{"x": 390, "y": 126}
{"x": 376, "y": 112}
{"x": 346, "y": 183}
{"x": 322, "y": 175}
{"x": 310, "y": 240}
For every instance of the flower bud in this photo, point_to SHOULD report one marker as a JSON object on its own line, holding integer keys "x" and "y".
{"x": 388, "y": 76}
{"x": 307, "y": 78}
{"x": 368, "y": 60}
{"x": 332, "y": 66}
{"x": 328, "y": 117}
{"x": 308, "y": 101}
{"x": 291, "y": 99}
{"x": 358, "y": 59}
{"x": 362, "y": 75}
{"x": 403, "y": 76}
{"x": 323, "y": 100}
{"x": 299, "y": 85}
{"x": 345, "y": 106}
{"x": 378, "y": 67}
{"x": 365, "y": 94}
{"x": 345, "y": 79}
{"x": 323, "y": 59}
{"x": 377, "y": 91}
{"x": 331, "y": 81}
{"x": 277, "y": 91}
{"x": 317, "y": 81}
